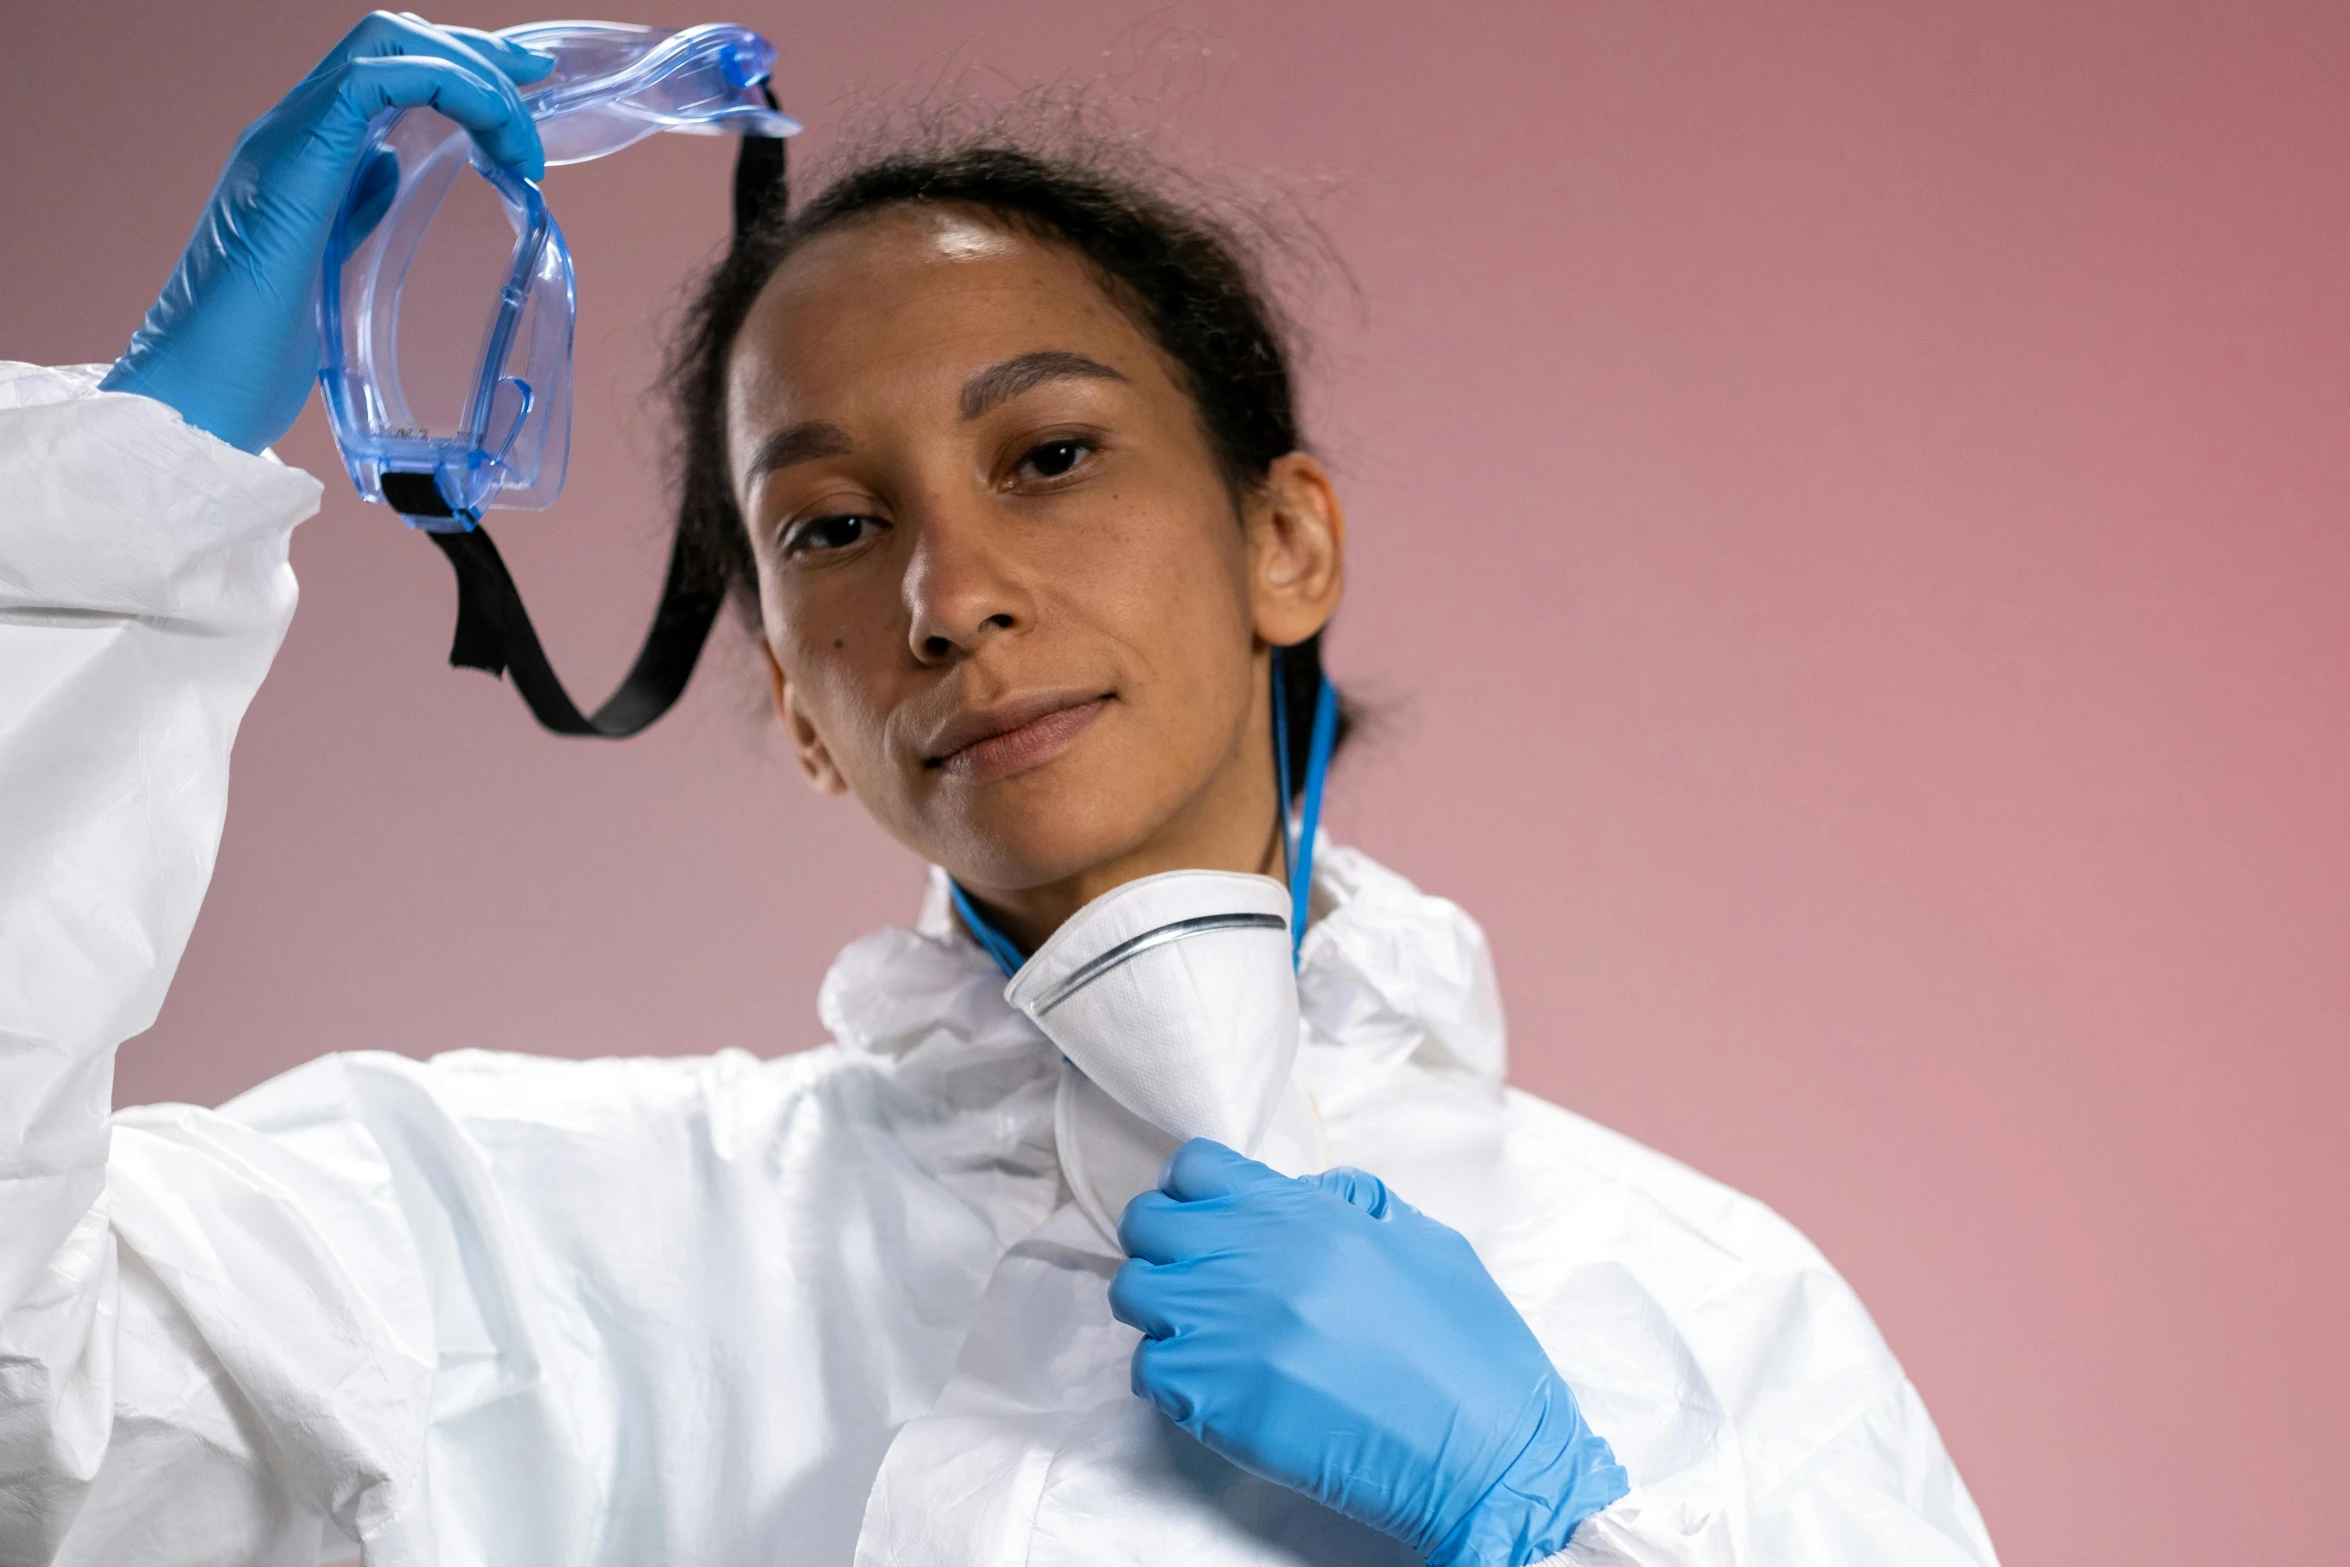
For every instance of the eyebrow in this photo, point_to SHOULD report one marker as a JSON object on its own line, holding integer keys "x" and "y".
{"x": 812, "y": 440}
{"x": 1000, "y": 383}
{"x": 803, "y": 442}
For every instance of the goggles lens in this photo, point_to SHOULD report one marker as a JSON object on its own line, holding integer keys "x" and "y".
{"x": 447, "y": 308}
{"x": 614, "y": 85}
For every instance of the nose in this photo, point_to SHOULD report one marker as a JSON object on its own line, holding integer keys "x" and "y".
{"x": 961, "y": 585}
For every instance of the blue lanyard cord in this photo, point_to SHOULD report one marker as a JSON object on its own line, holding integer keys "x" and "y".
{"x": 1301, "y": 863}
{"x": 1297, "y": 836}
{"x": 998, "y": 945}
{"x": 1281, "y": 763}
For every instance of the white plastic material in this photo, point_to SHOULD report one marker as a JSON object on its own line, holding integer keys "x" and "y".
{"x": 1175, "y": 1001}
{"x": 828, "y": 1306}
{"x": 1176, "y": 994}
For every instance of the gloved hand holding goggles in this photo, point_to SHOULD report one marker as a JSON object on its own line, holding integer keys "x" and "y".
{"x": 493, "y": 430}
{"x": 443, "y": 451}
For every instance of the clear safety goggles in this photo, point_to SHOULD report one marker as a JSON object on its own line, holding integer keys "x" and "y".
{"x": 447, "y": 305}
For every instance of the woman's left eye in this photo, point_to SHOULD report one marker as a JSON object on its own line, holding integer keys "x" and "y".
{"x": 1053, "y": 458}
{"x": 819, "y": 534}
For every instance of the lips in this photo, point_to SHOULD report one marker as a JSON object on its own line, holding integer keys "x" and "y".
{"x": 1014, "y": 735}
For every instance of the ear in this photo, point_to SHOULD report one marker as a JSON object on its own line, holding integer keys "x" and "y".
{"x": 807, "y": 745}
{"x": 1297, "y": 551}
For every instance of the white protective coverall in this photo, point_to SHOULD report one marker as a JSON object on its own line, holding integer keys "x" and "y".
{"x": 827, "y": 1307}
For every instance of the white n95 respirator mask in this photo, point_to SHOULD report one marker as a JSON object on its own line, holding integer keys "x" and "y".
{"x": 1174, "y": 1000}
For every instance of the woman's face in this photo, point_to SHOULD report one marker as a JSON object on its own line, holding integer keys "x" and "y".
{"x": 1009, "y": 599}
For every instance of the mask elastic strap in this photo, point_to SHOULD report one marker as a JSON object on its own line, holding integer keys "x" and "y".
{"x": 494, "y": 632}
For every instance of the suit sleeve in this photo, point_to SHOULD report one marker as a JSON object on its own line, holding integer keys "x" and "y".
{"x": 144, "y": 589}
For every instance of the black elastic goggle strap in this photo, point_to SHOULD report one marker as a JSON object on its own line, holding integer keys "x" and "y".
{"x": 494, "y": 632}
{"x": 758, "y": 174}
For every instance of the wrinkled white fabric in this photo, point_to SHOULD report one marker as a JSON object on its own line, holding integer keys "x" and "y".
{"x": 830, "y": 1306}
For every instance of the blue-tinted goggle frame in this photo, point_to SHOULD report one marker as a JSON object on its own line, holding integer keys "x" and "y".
{"x": 612, "y": 85}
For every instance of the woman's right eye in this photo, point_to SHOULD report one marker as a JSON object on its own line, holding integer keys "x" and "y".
{"x": 830, "y": 533}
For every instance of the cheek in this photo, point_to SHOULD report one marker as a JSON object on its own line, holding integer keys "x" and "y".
{"x": 835, "y": 666}
{"x": 1174, "y": 589}
{"x": 841, "y": 694}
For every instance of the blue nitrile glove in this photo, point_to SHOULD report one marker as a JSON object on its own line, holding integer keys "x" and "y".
{"x": 232, "y": 343}
{"x": 1326, "y": 1335}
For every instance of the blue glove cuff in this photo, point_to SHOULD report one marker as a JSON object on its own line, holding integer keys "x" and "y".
{"x": 1563, "y": 1475}
{"x": 201, "y": 400}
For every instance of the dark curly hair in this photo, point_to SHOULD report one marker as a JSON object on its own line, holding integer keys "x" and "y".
{"x": 1184, "y": 277}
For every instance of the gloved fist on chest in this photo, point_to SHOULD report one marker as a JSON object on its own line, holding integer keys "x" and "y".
{"x": 1326, "y": 1335}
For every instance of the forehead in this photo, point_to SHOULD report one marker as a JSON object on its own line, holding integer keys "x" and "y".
{"x": 914, "y": 297}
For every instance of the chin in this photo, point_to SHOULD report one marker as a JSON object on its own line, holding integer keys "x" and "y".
{"x": 1049, "y": 831}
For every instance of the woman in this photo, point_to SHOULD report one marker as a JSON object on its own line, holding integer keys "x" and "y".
{"x": 1003, "y": 450}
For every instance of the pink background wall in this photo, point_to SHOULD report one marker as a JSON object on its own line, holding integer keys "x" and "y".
{"x": 1850, "y": 514}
